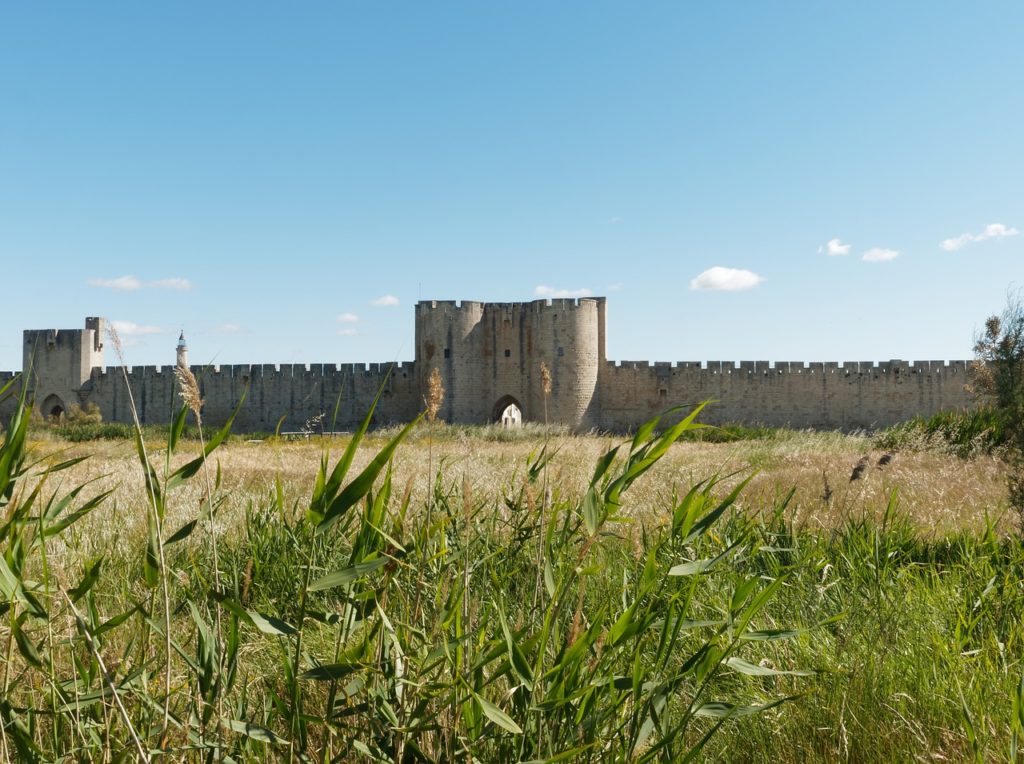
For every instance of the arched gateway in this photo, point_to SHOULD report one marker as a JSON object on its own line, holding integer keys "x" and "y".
{"x": 53, "y": 407}
{"x": 508, "y": 412}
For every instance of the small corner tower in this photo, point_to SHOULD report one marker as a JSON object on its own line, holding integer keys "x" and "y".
{"x": 182, "y": 359}
{"x": 59, "y": 364}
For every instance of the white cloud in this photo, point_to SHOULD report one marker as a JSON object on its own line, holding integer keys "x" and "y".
{"x": 835, "y": 247}
{"x": 616, "y": 287}
{"x": 121, "y": 283}
{"x": 546, "y": 291}
{"x": 178, "y": 284}
{"x": 132, "y": 329}
{"x": 347, "y": 332}
{"x": 991, "y": 231}
{"x": 879, "y": 255}
{"x": 955, "y": 243}
{"x": 130, "y": 284}
{"x": 719, "y": 279}
{"x": 386, "y": 301}
{"x": 348, "y": 318}
{"x": 998, "y": 231}
{"x": 228, "y": 329}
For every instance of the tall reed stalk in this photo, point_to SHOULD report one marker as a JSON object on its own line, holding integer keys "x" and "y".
{"x": 156, "y": 563}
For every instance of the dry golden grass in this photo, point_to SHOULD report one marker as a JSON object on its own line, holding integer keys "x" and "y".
{"x": 941, "y": 494}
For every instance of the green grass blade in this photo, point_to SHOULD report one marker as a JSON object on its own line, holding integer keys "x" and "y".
{"x": 359, "y": 487}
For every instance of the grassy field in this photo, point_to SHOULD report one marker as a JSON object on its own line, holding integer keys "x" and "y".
{"x": 938, "y": 493}
{"x": 477, "y": 594}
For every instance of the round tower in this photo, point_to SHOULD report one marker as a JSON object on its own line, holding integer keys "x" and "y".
{"x": 567, "y": 341}
{"x": 182, "y": 351}
{"x": 448, "y": 338}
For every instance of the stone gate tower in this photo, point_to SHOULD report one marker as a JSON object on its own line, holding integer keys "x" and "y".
{"x": 490, "y": 355}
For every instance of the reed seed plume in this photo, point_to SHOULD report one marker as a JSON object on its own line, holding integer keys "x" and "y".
{"x": 545, "y": 378}
{"x": 115, "y": 340}
{"x": 313, "y": 425}
{"x": 247, "y": 581}
{"x": 155, "y": 519}
{"x": 435, "y": 394}
{"x": 188, "y": 389}
{"x": 859, "y": 468}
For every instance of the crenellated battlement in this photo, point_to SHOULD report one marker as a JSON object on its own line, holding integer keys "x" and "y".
{"x": 448, "y": 305}
{"x": 243, "y": 371}
{"x": 544, "y": 303}
{"x": 491, "y": 355}
{"x": 568, "y": 303}
{"x": 799, "y": 367}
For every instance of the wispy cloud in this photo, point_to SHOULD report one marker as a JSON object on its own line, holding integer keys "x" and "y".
{"x": 834, "y": 248}
{"x": 121, "y": 283}
{"x": 546, "y": 291}
{"x": 178, "y": 284}
{"x": 348, "y": 318}
{"x": 616, "y": 287}
{"x": 131, "y": 283}
{"x": 385, "y": 301}
{"x": 348, "y": 332}
{"x": 132, "y": 329}
{"x": 720, "y": 279}
{"x": 228, "y": 329}
{"x": 879, "y": 255}
{"x": 991, "y": 231}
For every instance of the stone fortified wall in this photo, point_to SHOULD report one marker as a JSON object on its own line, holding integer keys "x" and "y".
{"x": 851, "y": 396}
{"x": 293, "y": 394}
{"x": 67, "y": 369}
{"x": 490, "y": 355}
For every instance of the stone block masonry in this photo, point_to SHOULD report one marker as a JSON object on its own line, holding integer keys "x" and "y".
{"x": 284, "y": 396}
{"x": 817, "y": 395}
{"x": 490, "y": 356}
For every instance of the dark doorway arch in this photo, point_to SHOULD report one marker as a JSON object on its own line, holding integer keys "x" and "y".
{"x": 53, "y": 407}
{"x": 507, "y": 412}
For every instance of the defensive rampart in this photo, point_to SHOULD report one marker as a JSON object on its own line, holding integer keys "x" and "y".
{"x": 491, "y": 356}
{"x": 848, "y": 396}
{"x": 292, "y": 394}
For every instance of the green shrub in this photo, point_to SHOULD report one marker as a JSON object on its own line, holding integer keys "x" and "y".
{"x": 963, "y": 433}
{"x": 77, "y": 433}
{"x": 81, "y": 415}
{"x": 998, "y": 379}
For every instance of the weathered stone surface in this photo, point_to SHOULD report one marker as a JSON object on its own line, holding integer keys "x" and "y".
{"x": 488, "y": 355}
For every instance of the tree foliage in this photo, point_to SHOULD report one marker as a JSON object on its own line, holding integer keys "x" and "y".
{"x": 998, "y": 378}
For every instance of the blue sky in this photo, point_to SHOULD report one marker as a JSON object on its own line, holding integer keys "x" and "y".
{"x": 261, "y": 175}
